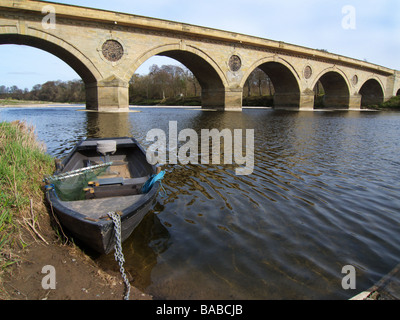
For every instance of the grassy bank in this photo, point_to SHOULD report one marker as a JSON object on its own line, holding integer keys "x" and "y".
{"x": 392, "y": 104}
{"x": 258, "y": 101}
{"x": 187, "y": 101}
{"x": 22, "y": 166}
{"x": 14, "y": 102}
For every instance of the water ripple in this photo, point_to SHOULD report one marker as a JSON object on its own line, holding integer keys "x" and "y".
{"x": 323, "y": 194}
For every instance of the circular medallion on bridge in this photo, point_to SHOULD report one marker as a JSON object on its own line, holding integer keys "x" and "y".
{"x": 235, "y": 63}
{"x": 307, "y": 72}
{"x": 112, "y": 50}
{"x": 355, "y": 80}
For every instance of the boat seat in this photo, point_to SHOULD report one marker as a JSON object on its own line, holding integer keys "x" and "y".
{"x": 114, "y": 187}
{"x": 120, "y": 180}
{"x": 110, "y": 181}
{"x": 106, "y": 147}
{"x": 140, "y": 180}
{"x": 105, "y": 191}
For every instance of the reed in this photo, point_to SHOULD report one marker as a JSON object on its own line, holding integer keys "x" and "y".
{"x": 23, "y": 162}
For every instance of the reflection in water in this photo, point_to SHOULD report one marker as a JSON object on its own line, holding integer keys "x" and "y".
{"x": 141, "y": 250}
{"x": 108, "y": 125}
{"x": 323, "y": 194}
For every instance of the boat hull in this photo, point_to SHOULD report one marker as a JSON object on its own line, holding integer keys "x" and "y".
{"x": 99, "y": 235}
{"x": 88, "y": 221}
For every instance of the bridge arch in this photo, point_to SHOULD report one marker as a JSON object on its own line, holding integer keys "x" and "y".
{"x": 68, "y": 53}
{"x": 398, "y": 93}
{"x": 283, "y": 77}
{"x": 53, "y": 45}
{"x": 211, "y": 78}
{"x": 371, "y": 92}
{"x": 183, "y": 54}
{"x": 336, "y": 87}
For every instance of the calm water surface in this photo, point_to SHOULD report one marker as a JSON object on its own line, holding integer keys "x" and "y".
{"x": 324, "y": 194}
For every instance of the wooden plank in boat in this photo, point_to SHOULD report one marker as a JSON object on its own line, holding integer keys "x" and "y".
{"x": 96, "y": 208}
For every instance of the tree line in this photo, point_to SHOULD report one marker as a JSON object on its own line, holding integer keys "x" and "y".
{"x": 54, "y": 91}
{"x": 160, "y": 84}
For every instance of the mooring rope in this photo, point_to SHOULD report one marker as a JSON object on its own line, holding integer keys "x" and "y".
{"x": 119, "y": 256}
{"x": 151, "y": 181}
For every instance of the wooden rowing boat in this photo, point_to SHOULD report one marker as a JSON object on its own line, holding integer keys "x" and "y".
{"x": 117, "y": 169}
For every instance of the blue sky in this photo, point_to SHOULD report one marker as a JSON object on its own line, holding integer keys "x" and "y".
{"x": 311, "y": 23}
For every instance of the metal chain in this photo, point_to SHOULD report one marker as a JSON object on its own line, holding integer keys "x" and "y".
{"x": 119, "y": 256}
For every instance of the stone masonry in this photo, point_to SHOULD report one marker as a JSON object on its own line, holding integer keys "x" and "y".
{"x": 105, "y": 49}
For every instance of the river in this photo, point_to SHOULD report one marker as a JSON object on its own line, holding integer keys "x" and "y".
{"x": 324, "y": 194}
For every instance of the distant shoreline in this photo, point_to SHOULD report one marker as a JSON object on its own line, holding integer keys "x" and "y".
{"x": 27, "y": 104}
{"x": 71, "y": 105}
{"x": 11, "y": 103}
{"x": 41, "y": 105}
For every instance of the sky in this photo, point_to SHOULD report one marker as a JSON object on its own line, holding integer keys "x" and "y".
{"x": 361, "y": 29}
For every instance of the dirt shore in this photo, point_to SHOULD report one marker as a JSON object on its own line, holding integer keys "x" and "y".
{"x": 78, "y": 277}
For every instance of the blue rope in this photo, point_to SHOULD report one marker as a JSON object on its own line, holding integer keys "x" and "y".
{"x": 50, "y": 187}
{"x": 151, "y": 181}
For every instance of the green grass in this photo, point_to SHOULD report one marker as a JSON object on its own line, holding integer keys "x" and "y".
{"x": 392, "y": 104}
{"x": 23, "y": 163}
{"x": 8, "y": 101}
{"x": 187, "y": 101}
{"x": 15, "y": 102}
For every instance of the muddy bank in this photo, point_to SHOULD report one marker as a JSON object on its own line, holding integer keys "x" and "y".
{"x": 77, "y": 276}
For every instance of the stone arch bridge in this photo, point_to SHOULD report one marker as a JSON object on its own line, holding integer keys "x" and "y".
{"x": 105, "y": 49}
